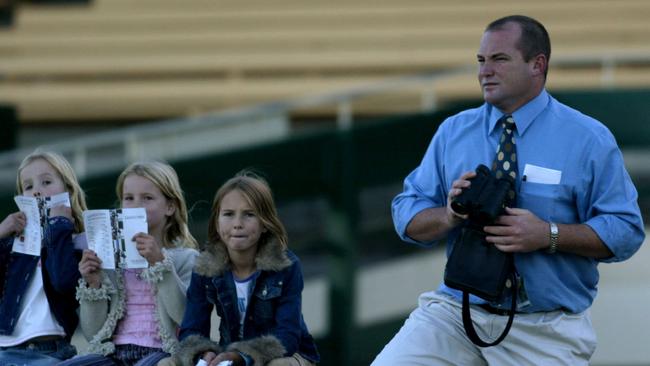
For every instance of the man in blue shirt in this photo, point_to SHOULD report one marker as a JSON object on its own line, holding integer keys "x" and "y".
{"x": 576, "y": 207}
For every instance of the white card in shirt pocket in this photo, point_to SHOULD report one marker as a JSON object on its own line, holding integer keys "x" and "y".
{"x": 537, "y": 174}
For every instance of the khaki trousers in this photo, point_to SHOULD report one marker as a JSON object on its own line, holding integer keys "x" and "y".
{"x": 434, "y": 335}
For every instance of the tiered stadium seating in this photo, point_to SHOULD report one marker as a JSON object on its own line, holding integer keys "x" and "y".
{"x": 149, "y": 59}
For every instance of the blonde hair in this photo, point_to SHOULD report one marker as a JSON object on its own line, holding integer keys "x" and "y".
{"x": 69, "y": 178}
{"x": 258, "y": 194}
{"x": 163, "y": 176}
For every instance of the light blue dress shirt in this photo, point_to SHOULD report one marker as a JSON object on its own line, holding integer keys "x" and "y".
{"x": 593, "y": 188}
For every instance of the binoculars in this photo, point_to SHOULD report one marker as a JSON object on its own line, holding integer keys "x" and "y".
{"x": 486, "y": 198}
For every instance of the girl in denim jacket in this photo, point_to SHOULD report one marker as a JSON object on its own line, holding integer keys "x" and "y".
{"x": 253, "y": 280}
{"x": 131, "y": 316}
{"x": 37, "y": 293}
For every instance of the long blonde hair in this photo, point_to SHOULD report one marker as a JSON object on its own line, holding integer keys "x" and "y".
{"x": 69, "y": 178}
{"x": 258, "y": 194}
{"x": 163, "y": 176}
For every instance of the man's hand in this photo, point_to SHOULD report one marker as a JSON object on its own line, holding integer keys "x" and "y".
{"x": 434, "y": 223}
{"x": 454, "y": 219}
{"x": 518, "y": 231}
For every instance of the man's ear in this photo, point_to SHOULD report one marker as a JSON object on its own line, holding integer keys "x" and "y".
{"x": 539, "y": 65}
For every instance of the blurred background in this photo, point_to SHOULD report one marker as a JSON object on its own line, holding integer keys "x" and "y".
{"x": 334, "y": 102}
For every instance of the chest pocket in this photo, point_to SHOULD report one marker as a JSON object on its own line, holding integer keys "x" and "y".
{"x": 266, "y": 299}
{"x": 550, "y": 202}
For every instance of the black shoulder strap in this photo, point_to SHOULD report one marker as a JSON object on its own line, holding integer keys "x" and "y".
{"x": 469, "y": 325}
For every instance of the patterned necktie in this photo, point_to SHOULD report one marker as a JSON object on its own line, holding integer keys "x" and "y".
{"x": 505, "y": 162}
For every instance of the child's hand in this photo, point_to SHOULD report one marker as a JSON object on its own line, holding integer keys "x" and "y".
{"x": 148, "y": 248}
{"x": 208, "y": 357}
{"x": 90, "y": 268}
{"x": 61, "y": 210}
{"x": 13, "y": 224}
{"x": 236, "y": 359}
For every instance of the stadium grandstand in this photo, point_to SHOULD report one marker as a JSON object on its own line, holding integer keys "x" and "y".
{"x": 334, "y": 101}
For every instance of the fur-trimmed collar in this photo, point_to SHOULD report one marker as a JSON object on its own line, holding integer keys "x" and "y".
{"x": 214, "y": 260}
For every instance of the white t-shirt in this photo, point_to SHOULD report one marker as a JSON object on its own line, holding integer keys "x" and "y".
{"x": 243, "y": 295}
{"x": 36, "y": 318}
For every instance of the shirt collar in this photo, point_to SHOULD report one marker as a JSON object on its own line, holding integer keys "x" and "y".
{"x": 524, "y": 116}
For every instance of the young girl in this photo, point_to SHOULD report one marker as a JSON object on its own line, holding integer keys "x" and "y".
{"x": 37, "y": 293}
{"x": 254, "y": 281}
{"x": 131, "y": 316}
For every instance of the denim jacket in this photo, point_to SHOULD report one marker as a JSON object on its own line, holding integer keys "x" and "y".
{"x": 60, "y": 270}
{"x": 274, "y": 310}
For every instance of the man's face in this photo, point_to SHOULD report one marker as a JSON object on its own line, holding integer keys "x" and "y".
{"x": 506, "y": 79}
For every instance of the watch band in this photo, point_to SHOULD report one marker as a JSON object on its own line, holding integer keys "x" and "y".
{"x": 554, "y": 237}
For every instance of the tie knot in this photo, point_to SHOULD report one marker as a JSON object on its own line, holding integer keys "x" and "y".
{"x": 508, "y": 122}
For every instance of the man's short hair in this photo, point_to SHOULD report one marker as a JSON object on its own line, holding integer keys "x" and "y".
{"x": 534, "y": 37}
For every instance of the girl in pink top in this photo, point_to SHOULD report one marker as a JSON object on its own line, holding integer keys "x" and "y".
{"x": 130, "y": 316}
